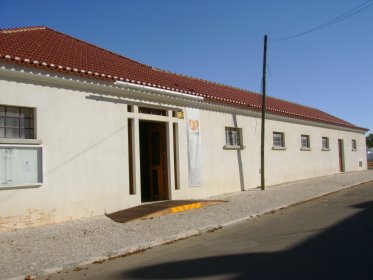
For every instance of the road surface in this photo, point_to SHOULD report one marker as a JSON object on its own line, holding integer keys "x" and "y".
{"x": 327, "y": 238}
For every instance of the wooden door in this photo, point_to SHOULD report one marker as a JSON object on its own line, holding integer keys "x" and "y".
{"x": 340, "y": 154}
{"x": 158, "y": 161}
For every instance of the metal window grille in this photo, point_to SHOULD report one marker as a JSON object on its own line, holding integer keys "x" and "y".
{"x": 354, "y": 146}
{"x": 232, "y": 136}
{"x": 305, "y": 141}
{"x": 16, "y": 122}
{"x": 278, "y": 139}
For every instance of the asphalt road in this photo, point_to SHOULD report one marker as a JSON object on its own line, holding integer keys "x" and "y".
{"x": 327, "y": 238}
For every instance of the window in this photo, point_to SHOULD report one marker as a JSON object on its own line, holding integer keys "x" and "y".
{"x": 278, "y": 140}
{"x": 233, "y": 137}
{"x": 354, "y": 145}
{"x": 305, "y": 142}
{"x": 325, "y": 143}
{"x": 16, "y": 122}
{"x": 152, "y": 111}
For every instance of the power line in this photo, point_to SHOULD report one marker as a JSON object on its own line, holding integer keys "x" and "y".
{"x": 288, "y": 85}
{"x": 343, "y": 16}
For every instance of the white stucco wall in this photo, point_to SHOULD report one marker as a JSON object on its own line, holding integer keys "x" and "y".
{"x": 233, "y": 170}
{"x": 85, "y": 155}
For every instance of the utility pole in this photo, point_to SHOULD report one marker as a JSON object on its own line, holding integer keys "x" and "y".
{"x": 262, "y": 177}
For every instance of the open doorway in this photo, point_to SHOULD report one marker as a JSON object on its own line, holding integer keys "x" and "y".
{"x": 153, "y": 161}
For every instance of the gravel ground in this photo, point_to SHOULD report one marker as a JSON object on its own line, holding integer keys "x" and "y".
{"x": 49, "y": 249}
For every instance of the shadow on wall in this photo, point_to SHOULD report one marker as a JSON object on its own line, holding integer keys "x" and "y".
{"x": 84, "y": 151}
{"x": 344, "y": 251}
{"x": 239, "y": 159}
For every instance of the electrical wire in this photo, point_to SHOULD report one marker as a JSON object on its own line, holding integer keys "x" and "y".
{"x": 288, "y": 85}
{"x": 343, "y": 16}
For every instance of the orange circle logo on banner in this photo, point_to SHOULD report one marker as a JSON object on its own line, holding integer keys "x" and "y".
{"x": 194, "y": 124}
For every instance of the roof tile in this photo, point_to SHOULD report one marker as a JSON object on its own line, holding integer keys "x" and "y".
{"x": 41, "y": 46}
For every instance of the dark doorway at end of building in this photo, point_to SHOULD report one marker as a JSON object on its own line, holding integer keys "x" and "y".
{"x": 341, "y": 155}
{"x": 153, "y": 161}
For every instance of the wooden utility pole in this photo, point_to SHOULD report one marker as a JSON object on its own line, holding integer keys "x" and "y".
{"x": 262, "y": 177}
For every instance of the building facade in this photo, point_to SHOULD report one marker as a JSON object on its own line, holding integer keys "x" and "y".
{"x": 76, "y": 142}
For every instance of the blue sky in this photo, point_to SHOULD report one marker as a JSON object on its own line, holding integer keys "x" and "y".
{"x": 222, "y": 41}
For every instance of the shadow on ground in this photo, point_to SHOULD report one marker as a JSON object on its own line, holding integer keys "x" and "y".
{"x": 344, "y": 251}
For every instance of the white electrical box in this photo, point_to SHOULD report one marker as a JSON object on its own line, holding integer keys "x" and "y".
{"x": 20, "y": 166}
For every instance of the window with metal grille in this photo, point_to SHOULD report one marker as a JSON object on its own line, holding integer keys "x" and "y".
{"x": 278, "y": 139}
{"x": 354, "y": 145}
{"x": 16, "y": 122}
{"x": 325, "y": 142}
{"x": 233, "y": 137}
{"x": 305, "y": 141}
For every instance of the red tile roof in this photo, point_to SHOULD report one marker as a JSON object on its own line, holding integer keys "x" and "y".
{"x": 41, "y": 46}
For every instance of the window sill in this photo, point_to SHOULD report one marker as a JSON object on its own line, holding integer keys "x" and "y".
{"x": 20, "y": 141}
{"x": 278, "y": 148}
{"x": 325, "y": 149}
{"x": 305, "y": 149}
{"x": 354, "y": 150}
{"x": 20, "y": 186}
{"x": 227, "y": 147}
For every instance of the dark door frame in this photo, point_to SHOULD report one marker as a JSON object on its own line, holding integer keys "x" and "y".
{"x": 341, "y": 155}
{"x": 154, "y": 163}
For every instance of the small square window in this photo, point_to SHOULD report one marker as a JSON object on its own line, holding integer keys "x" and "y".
{"x": 305, "y": 141}
{"x": 325, "y": 142}
{"x": 16, "y": 122}
{"x": 278, "y": 139}
{"x": 354, "y": 145}
{"x": 233, "y": 137}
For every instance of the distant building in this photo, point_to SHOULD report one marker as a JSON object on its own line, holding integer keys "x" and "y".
{"x": 84, "y": 131}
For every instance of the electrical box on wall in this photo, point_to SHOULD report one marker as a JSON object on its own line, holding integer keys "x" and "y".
{"x": 20, "y": 166}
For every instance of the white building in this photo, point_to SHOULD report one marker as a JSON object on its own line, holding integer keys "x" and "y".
{"x": 84, "y": 131}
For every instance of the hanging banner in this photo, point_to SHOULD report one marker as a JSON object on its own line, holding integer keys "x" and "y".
{"x": 194, "y": 148}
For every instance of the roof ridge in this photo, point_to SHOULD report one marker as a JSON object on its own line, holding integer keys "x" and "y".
{"x": 101, "y": 48}
{"x": 43, "y": 27}
{"x": 22, "y": 29}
